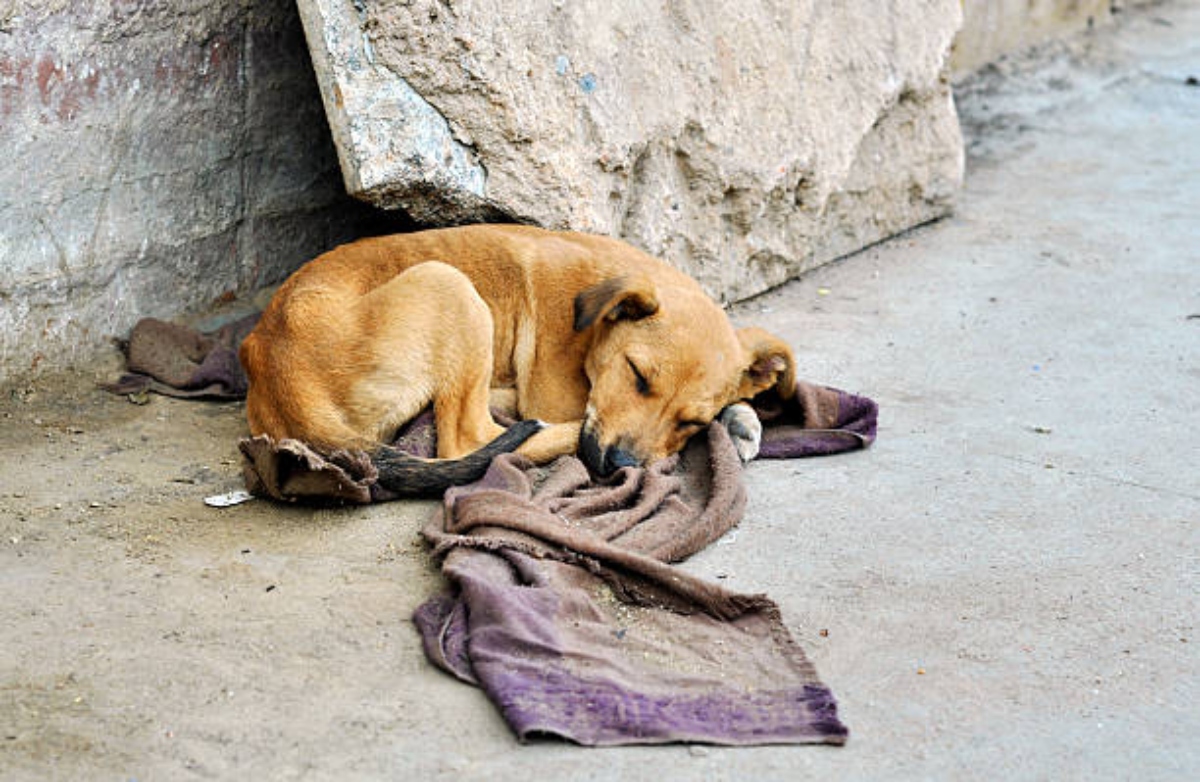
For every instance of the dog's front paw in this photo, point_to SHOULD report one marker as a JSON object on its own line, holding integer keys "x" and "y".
{"x": 743, "y": 426}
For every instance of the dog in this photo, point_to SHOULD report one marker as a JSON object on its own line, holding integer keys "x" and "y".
{"x": 597, "y": 347}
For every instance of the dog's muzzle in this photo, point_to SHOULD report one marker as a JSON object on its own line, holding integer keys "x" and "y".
{"x": 600, "y": 460}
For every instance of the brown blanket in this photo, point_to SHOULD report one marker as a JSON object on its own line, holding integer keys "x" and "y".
{"x": 564, "y": 605}
{"x": 175, "y": 360}
{"x": 566, "y": 611}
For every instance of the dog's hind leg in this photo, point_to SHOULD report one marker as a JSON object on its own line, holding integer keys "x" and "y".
{"x": 430, "y": 343}
{"x": 460, "y": 404}
{"x": 461, "y": 401}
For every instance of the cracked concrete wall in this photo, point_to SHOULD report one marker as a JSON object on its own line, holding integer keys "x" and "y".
{"x": 160, "y": 156}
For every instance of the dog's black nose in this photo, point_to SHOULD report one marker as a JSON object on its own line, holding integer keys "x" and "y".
{"x": 615, "y": 459}
{"x": 603, "y": 461}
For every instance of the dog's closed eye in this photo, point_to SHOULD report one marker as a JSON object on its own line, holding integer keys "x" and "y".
{"x": 643, "y": 385}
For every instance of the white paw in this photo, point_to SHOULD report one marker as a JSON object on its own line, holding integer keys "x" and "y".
{"x": 744, "y": 427}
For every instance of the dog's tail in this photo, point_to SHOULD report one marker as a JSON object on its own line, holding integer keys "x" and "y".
{"x": 410, "y": 475}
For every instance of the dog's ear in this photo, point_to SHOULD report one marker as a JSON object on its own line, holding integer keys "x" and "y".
{"x": 769, "y": 364}
{"x": 620, "y": 298}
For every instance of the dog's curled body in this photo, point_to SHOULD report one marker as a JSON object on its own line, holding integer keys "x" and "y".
{"x": 348, "y": 388}
{"x": 625, "y": 356}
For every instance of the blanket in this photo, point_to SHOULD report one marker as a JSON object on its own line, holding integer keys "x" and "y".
{"x": 175, "y": 360}
{"x": 566, "y": 611}
{"x": 566, "y": 604}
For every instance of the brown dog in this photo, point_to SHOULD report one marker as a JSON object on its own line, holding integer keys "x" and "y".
{"x": 623, "y": 354}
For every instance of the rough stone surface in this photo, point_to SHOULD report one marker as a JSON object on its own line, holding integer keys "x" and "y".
{"x": 386, "y": 134}
{"x": 744, "y": 142}
{"x": 159, "y": 155}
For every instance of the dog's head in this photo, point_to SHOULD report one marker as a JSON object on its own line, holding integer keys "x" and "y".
{"x": 663, "y": 363}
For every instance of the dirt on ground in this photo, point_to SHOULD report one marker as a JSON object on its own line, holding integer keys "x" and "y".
{"x": 120, "y": 584}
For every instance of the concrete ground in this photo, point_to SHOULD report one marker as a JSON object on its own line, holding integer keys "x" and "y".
{"x": 1004, "y": 587}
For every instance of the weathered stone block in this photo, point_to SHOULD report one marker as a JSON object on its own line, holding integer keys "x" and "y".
{"x": 743, "y": 142}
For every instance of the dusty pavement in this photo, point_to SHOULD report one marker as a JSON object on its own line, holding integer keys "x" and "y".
{"x": 1005, "y": 587}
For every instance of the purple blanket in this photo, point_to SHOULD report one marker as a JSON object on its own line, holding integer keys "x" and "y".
{"x": 566, "y": 612}
{"x": 178, "y": 361}
{"x": 564, "y": 606}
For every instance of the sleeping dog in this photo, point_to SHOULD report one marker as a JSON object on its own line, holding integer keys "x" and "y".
{"x": 600, "y": 349}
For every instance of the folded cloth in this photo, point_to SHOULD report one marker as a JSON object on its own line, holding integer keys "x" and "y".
{"x": 291, "y": 471}
{"x": 564, "y": 606}
{"x": 175, "y": 360}
{"x": 814, "y": 420}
